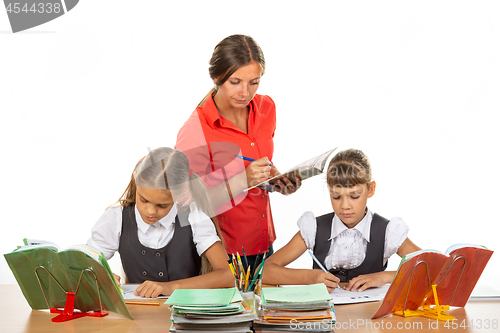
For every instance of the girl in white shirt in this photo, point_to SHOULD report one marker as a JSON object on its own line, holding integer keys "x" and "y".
{"x": 351, "y": 242}
{"x": 162, "y": 229}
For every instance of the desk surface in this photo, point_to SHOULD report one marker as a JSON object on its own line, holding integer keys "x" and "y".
{"x": 16, "y": 316}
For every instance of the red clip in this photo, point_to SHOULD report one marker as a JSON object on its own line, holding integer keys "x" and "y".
{"x": 69, "y": 311}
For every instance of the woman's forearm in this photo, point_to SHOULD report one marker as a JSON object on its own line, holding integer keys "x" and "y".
{"x": 222, "y": 193}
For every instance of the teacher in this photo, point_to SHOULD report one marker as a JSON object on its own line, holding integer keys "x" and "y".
{"x": 232, "y": 120}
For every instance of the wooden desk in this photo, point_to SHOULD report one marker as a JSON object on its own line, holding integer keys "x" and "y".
{"x": 16, "y": 316}
{"x": 355, "y": 318}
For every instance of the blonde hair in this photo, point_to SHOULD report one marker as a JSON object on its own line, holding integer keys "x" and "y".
{"x": 349, "y": 167}
{"x": 168, "y": 169}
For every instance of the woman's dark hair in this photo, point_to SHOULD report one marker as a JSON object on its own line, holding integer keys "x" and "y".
{"x": 232, "y": 53}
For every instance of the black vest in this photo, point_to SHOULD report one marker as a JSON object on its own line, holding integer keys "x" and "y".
{"x": 374, "y": 258}
{"x": 177, "y": 260}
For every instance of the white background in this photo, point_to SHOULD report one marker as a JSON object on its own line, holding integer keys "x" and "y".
{"x": 415, "y": 85}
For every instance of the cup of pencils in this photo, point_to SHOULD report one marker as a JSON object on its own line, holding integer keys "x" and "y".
{"x": 247, "y": 278}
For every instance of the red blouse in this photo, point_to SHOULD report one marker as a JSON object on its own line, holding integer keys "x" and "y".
{"x": 210, "y": 142}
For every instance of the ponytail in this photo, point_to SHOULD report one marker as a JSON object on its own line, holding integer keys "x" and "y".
{"x": 207, "y": 96}
{"x": 168, "y": 169}
{"x": 199, "y": 195}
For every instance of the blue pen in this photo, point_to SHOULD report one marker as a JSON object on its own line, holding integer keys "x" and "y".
{"x": 248, "y": 159}
{"x": 319, "y": 264}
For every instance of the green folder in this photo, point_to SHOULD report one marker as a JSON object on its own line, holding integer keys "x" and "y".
{"x": 207, "y": 297}
{"x": 45, "y": 276}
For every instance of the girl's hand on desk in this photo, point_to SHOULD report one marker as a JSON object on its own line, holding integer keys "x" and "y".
{"x": 151, "y": 289}
{"x": 363, "y": 282}
{"x": 318, "y": 276}
{"x": 117, "y": 278}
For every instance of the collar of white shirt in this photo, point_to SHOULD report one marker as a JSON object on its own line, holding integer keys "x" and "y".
{"x": 166, "y": 221}
{"x": 363, "y": 226}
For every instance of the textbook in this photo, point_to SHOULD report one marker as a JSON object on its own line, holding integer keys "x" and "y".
{"x": 47, "y": 275}
{"x": 304, "y": 170}
{"x": 210, "y": 310}
{"x": 453, "y": 274}
{"x": 308, "y": 308}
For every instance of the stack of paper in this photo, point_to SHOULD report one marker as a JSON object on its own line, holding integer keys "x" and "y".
{"x": 210, "y": 310}
{"x": 302, "y": 308}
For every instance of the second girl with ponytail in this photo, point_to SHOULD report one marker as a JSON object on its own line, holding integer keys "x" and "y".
{"x": 162, "y": 229}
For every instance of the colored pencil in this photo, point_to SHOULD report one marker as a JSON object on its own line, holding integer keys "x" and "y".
{"x": 319, "y": 264}
{"x": 142, "y": 303}
{"x": 248, "y": 159}
{"x": 255, "y": 264}
{"x": 236, "y": 269}
{"x": 245, "y": 256}
{"x": 246, "y": 278}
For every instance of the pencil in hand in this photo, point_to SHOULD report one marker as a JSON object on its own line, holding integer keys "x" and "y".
{"x": 319, "y": 264}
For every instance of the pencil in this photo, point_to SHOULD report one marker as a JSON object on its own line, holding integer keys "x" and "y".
{"x": 245, "y": 256}
{"x": 260, "y": 268}
{"x": 236, "y": 268}
{"x": 240, "y": 264}
{"x": 232, "y": 269}
{"x": 255, "y": 264}
{"x": 142, "y": 303}
{"x": 246, "y": 278}
{"x": 317, "y": 261}
{"x": 258, "y": 286}
{"x": 319, "y": 264}
{"x": 248, "y": 159}
{"x": 255, "y": 275}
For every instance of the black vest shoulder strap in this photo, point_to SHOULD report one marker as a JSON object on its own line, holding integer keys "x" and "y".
{"x": 323, "y": 233}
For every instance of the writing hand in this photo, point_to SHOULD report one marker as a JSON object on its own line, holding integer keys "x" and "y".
{"x": 318, "y": 276}
{"x": 258, "y": 171}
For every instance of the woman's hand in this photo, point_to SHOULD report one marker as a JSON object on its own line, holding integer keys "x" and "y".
{"x": 318, "y": 276}
{"x": 285, "y": 186}
{"x": 258, "y": 171}
{"x": 152, "y": 289}
{"x": 363, "y": 282}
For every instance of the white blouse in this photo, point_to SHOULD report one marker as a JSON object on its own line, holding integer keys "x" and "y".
{"x": 348, "y": 246}
{"x": 107, "y": 230}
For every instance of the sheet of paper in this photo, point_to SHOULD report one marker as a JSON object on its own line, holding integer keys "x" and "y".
{"x": 296, "y": 294}
{"x": 484, "y": 292}
{"x": 128, "y": 292}
{"x": 341, "y": 296}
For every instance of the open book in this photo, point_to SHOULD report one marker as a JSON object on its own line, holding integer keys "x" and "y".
{"x": 46, "y": 274}
{"x": 304, "y": 170}
{"x": 454, "y": 273}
